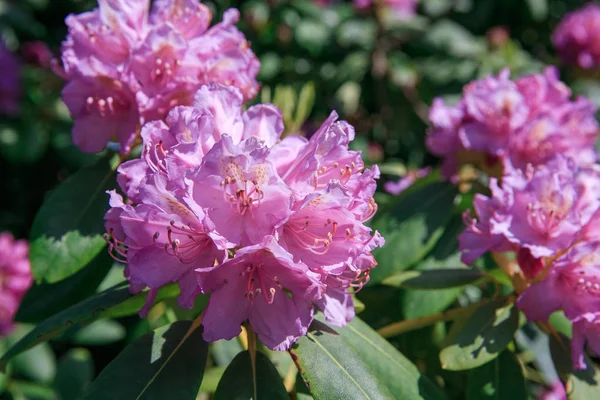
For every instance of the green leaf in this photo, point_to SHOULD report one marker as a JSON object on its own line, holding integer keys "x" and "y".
{"x": 434, "y": 279}
{"x": 211, "y": 379}
{"x": 453, "y": 39}
{"x": 37, "y": 364}
{"x": 561, "y": 323}
{"x": 98, "y": 333}
{"x": 133, "y": 304}
{"x": 22, "y": 390}
{"x": 47, "y": 299}
{"x": 411, "y": 227}
{"x": 67, "y": 231}
{"x": 312, "y": 35}
{"x": 224, "y": 351}
{"x": 85, "y": 311}
{"x": 167, "y": 363}
{"x": 356, "y": 363}
{"x": 238, "y": 384}
{"x": 481, "y": 337}
{"x": 499, "y": 379}
{"x": 538, "y": 9}
{"x": 75, "y": 372}
{"x": 25, "y": 141}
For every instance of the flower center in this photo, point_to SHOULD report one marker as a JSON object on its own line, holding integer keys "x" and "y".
{"x": 312, "y": 238}
{"x": 549, "y": 211}
{"x": 163, "y": 70}
{"x": 260, "y": 283}
{"x": 155, "y": 155}
{"x": 242, "y": 194}
{"x": 184, "y": 242}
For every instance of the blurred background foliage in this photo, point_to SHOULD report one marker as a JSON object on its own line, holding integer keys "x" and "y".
{"x": 378, "y": 73}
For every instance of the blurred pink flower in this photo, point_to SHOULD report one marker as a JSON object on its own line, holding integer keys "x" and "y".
{"x": 15, "y": 278}
{"x": 577, "y": 37}
{"x": 406, "y": 181}
{"x": 555, "y": 392}
{"x": 10, "y": 82}
{"x": 247, "y": 216}
{"x": 37, "y": 53}
{"x": 542, "y": 209}
{"x": 572, "y": 285}
{"x": 125, "y": 66}
{"x": 527, "y": 121}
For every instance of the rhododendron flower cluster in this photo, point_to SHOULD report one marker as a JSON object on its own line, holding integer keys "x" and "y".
{"x": 577, "y": 37}
{"x": 270, "y": 227}
{"x": 540, "y": 211}
{"x": 548, "y": 215}
{"x": 10, "y": 82}
{"x": 15, "y": 278}
{"x": 573, "y": 285}
{"x": 125, "y": 66}
{"x": 527, "y": 121}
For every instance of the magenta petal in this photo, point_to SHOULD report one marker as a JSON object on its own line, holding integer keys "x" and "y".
{"x": 279, "y": 324}
{"x": 263, "y": 121}
{"x": 536, "y": 310}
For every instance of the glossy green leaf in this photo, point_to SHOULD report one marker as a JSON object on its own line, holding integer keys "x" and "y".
{"x": 47, "y": 299}
{"x": 85, "y": 311}
{"x": 434, "y": 279}
{"x": 479, "y": 338}
{"x": 167, "y": 363}
{"x": 67, "y": 231}
{"x": 74, "y": 373}
{"x": 356, "y": 363}
{"x": 237, "y": 382}
{"x": 499, "y": 379}
{"x": 411, "y": 227}
{"x": 432, "y": 275}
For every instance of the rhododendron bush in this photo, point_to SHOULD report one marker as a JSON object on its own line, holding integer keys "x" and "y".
{"x": 299, "y": 199}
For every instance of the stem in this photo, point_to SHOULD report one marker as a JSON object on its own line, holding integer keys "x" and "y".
{"x": 290, "y": 378}
{"x": 252, "y": 350}
{"x": 243, "y": 338}
{"x": 511, "y": 268}
{"x": 417, "y": 323}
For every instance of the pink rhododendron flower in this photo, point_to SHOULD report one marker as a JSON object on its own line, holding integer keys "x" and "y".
{"x": 164, "y": 239}
{"x": 540, "y": 210}
{"x": 125, "y": 66}
{"x": 572, "y": 285}
{"x": 527, "y": 121}
{"x": 576, "y": 37}
{"x": 254, "y": 286}
{"x": 271, "y": 228}
{"x": 10, "y": 82}
{"x": 15, "y": 278}
{"x": 406, "y": 181}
